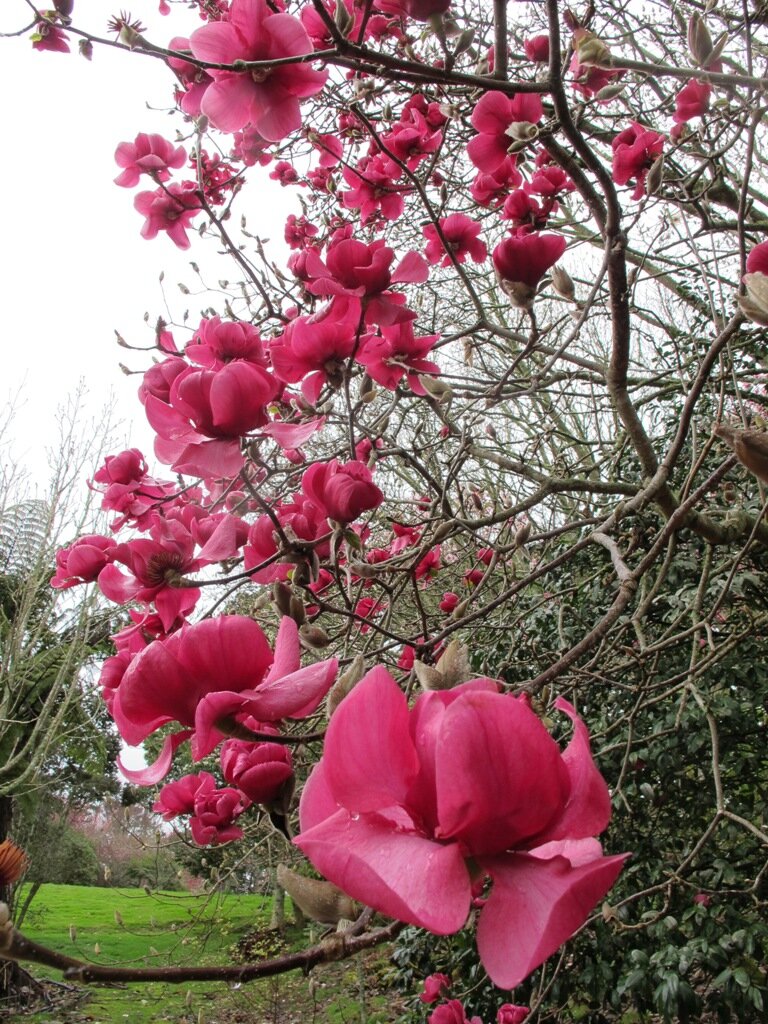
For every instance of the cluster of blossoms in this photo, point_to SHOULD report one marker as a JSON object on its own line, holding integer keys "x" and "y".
{"x": 460, "y": 806}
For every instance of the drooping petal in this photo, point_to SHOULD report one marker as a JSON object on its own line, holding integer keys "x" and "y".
{"x": 287, "y": 653}
{"x": 401, "y": 874}
{"x": 369, "y": 757}
{"x": 534, "y": 907}
{"x": 159, "y": 768}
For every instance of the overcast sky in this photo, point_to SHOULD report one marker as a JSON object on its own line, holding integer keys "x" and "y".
{"x": 74, "y": 267}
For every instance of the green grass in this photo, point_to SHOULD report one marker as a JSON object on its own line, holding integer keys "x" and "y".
{"x": 129, "y": 927}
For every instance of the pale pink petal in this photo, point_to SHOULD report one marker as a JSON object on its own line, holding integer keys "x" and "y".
{"x": 293, "y": 696}
{"x": 412, "y": 268}
{"x": 534, "y": 907}
{"x": 276, "y": 114}
{"x": 405, "y": 876}
{"x": 222, "y": 543}
{"x": 217, "y": 42}
{"x": 369, "y": 757}
{"x": 577, "y": 851}
{"x": 215, "y": 460}
{"x": 293, "y": 435}
{"x": 229, "y": 102}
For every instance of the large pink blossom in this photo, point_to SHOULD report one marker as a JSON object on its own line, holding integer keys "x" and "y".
{"x": 268, "y": 98}
{"x": 461, "y": 238}
{"x": 396, "y": 352}
{"x": 408, "y": 811}
{"x": 211, "y": 671}
{"x": 83, "y": 560}
{"x": 522, "y": 260}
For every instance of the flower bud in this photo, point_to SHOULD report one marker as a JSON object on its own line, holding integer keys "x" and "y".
{"x": 318, "y": 900}
{"x": 281, "y": 595}
{"x": 699, "y": 40}
{"x": 522, "y": 131}
{"x": 590, "y": 50}
{"x": 346, "y": 681}
{"x": 313, "y": 637}
{"x": 655, "y": 177}
{"x": 563, "y": 284}
{"x": 749, "y": 446}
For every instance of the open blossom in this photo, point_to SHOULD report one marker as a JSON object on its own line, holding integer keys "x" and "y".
{"x": 172, "y": 209}
{"x": 147, "y": 154}
{"x": 207, "y": 672}
{"x": 396, "y": 352}
{"x": 634, "y": 151}
{"x": 213, "y": 810}
{"x": 492, "y": 118}
{"x": 409, "y": 811}
{"x": 267, "y": 98}
{"x": 461, "y": 238}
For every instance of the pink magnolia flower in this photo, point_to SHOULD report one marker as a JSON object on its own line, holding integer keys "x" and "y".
{"x": 194, "y": 80}
{"x": 489, "y": 189}
{"x": 448, "y": 602}
{"x": 260, "y": 770}
{"x": 213, "y": 810}
{"x": 344, "y": 491}
{"x": 395, "y": 353}
{"x": 48, "y": 36}
{"x": 217, "y": 342}
{"x": 509, "y": 1013}
{"x": 83, "y": 560}
{"x": 207, "y": 672}
{"x": 634, "y": 151}
{"x": 373, "y": 189}
{"x": 156, "y": 566}
{"x": 435, "y": 987}
{"x": 461, "y": 238}
{"x": 451, "y": 1012}
{"x": 757, "y": 260}
{"x": 537, "y": 49}
{"x": 523, "y": 260}
{"x": 492, "y": 118}
{"x": 267, "y": 98}
{"x": 147, "y": 154}
{"x": 692, "y": 101}
{"x": 588, "y": 79}
{"x": 172, "y": 209}
{"x": 408, "y": 810}
{"x": 303, "y": 520}
{"x": 419, "y": 10}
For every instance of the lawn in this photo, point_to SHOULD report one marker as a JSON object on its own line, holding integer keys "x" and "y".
{"x": 137, "y": 928}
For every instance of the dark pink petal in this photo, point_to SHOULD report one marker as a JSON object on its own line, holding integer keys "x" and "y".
{"x": 485, "y": 737}
{"x": 369, "y": 757}
{"x": 317, "y": 801}
{"x": 276, "y": 114}
{"x": 401, "y": 874}
{"x": 152, "y": 774}
{"x": 588, "y": 809}
{"x": 411, "y": 269}
{"x": 287, "y": 650}
{"x": 534, "y": 907}
{"x": 287, "y": 36}
{"x": 492, "y": 113}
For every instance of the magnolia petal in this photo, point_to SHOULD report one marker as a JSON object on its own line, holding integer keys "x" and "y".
{"x": 293, "y": 435}
{"x": 485, "y": 737}
{"x": 369, "y": 757}
{"x": 317, "y": 800}
{"x": 293, "y": 696}
{"x": 534, "y": 907}
{"x": 156, "y": 771}
{"x": 405, "y": 876}
{"x": 588, "y": 809}
{"x": 287, "y": 650}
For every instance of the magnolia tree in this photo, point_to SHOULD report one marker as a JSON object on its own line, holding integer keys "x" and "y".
{"x": 478, "y": 469}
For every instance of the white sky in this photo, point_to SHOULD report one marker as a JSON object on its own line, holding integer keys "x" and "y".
{"x": 74, "y": 267}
